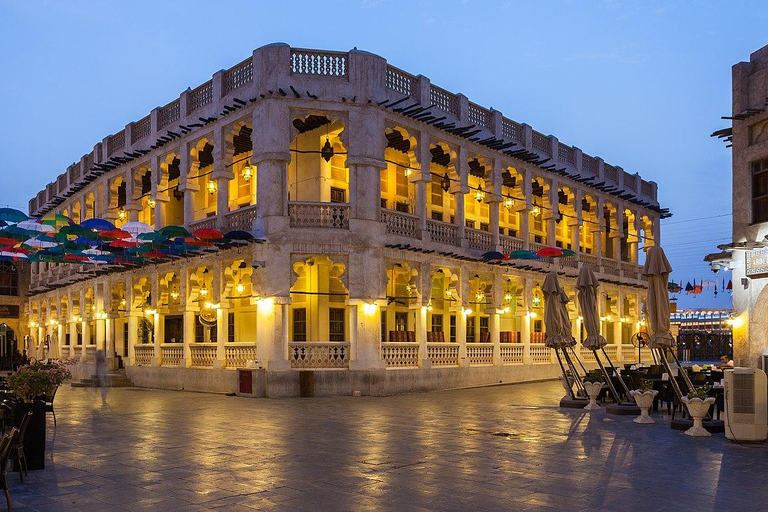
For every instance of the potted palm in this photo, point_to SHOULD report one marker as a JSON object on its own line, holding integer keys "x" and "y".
{"x": 29, "y": 385}
{"x": 593, "y": 384}
{"x": 698, "y": 403}
{"x": 644, "y": 400}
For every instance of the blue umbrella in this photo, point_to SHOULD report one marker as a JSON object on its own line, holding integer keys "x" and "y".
{"x": 98, "y": 225}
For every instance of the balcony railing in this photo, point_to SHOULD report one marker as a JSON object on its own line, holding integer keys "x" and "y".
{"x": 480, "y": 353}
{"x": 241, "y": 219}
{"x": 143, "y": 354}
{"x": 401, "y": 224}
{"x": 171, "y": 354}
{"x": 443, "y": 232}
{"x": 443, "y": 354}
{"x": 481, "y": 240}
{"x": 510, "y": 244}
{"x": 540, "y": 354}
{"x": 239, "y": 353}
{"x": 319, "y": 215}
{"x": 400, "y": 355}
{"x": 512, "y": 354}
{"x": 323, "y": 354}
{"x": 203, "y": 355}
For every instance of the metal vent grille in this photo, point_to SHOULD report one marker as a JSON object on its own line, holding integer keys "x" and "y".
{"x": 744, "y": 393}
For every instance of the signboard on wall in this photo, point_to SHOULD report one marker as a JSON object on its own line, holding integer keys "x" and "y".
{"x": 9, "y": 311}
{"x": 757, "y": 263}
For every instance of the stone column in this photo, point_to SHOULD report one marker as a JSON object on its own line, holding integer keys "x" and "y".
{"x": 222, "y": 332}
{"x": 495, "y": 338}
{"x": 272, "y": 333}
{"x": 365, "y": 187}
{"x": 461, "y": 335}
{"x": 525, "y": 327}
{"x": 189, "y": 337}
{"x": 133, "y": 336}
{"x": 597, "y": 231}
{"x": 421, "y": 335}
{"x": 525, "y": 215}
{"x": 86, "y": 337}
{"x": 109, "y": 341}
{"x": 364, "y": 322}
{"x": 575, "y": 224}
{"x": 551, "y": 216}
{"x": 157, "y": 339}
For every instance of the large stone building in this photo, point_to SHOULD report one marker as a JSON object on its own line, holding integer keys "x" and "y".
{"x": 14, "y": 281}
{"x": 376, "y": 194}
{"x": 746, "y": 255}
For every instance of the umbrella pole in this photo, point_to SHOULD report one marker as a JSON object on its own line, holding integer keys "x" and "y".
{"x": 576, "y": 376}
{"x": 672, "y": 379}
{"x": 565, "y": 374}
{"x": 577, "y": 359}
{"x": 618, "y": 374}
{"x": 686, "y": 378}
{"x": 607, "y": 378}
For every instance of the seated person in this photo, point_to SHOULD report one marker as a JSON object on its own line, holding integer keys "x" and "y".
{"x": 726, "y": 361}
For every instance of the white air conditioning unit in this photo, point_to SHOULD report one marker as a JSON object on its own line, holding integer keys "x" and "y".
{"x": 746, "y": 404}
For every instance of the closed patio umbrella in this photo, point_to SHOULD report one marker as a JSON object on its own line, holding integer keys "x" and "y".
{"x": 657, "y": 270}
{"x": 558, "y": 327}
{"x": 587, "y": 284}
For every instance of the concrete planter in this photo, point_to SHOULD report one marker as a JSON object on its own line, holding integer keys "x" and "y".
{"x": 698, "y": 408}
{"x": 593, "y": 390}
{"x": 644, "y": 400}
{"x": 567, "y": 386}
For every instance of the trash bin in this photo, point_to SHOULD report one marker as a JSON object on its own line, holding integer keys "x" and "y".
{"x": 306, "y": 384}
{"x": 245, "y": 378}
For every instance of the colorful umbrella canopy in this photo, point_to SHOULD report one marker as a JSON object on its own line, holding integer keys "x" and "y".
{"x": 523, "y": 255}
{"x": 494, "y": 255}
{"x": 549, "y": 252}
{"x": 12, "y": 215}
{"x": 16, "y": 233}
{"x": 76, "y": 230}
{"x": 34, "y": 226}
{"x": 238, "y": 235}
{"x": 97, "y": 225}
{"x": 657, "y": 270}
{"x": 173, "y": 231}
{"x": 586, "y": 286}
{"x": 136, "y": 228}
{"x": 57, "y": 220}
{"x": 208, "y": 234}
{"x": 114, "y": 234}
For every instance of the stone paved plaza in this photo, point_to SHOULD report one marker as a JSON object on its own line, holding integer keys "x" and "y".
{"x": 496, "y": 448}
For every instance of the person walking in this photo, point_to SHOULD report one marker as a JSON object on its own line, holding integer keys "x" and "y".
{"x": 101, "y": 374}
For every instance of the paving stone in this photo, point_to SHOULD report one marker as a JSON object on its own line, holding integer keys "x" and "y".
{"x": 496, "y": 448}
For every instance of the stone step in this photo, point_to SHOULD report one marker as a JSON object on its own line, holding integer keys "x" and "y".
{"x": 114, "y": 380}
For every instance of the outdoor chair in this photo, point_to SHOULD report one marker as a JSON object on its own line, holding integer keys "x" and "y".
{"x": 17, "y": 451}
{"x": 49, "y": 404}
{"x": 6, "y": 447}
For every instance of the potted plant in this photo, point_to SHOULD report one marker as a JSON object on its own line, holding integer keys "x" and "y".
{"x": 593, "y": 384}
{"x": 644, "y": 400}
{"x": 29, "y": 385}
{"x": 698, "y": 403}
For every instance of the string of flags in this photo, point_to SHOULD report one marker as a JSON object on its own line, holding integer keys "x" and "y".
{"x": 703, "y": 286}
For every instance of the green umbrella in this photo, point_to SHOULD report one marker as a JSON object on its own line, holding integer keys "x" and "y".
{"x": 12, "y": 215}
{"x": 173, "y": 231}
{"x": 16, "y": 233}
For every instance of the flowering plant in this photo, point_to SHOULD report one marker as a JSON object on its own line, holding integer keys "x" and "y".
{"x": 37, "y": 379}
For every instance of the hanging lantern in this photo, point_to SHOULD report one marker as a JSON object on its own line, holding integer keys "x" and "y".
{"x": 174, "y": 294}
{"x": 151, "y": 203}
{"x": 240, "y": 287}
{"x": 247, "y": 173}
{"x": 535, "y": 211}
{"x": 445, "y": 183}
{"x": 327, "y": 151}
{"x": 509, "y": 203}
{"x": 211, "y": 187}
{"x": 121, "y": 214}
{"x": 479, "y": 194}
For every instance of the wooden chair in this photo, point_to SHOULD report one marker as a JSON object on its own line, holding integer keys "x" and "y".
{"x": 49, "y": 404}
{"x": 17, "y": 450}
{"x": 6, "y": 447}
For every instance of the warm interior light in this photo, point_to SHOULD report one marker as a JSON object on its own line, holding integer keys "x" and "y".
{"x": 535, "y": 211}
{"x": 467, "y": 311}
{"x": 508, "y": 297}
{"x": 204, "y": 292}
{"x": 151, "y": 203}
{"x": 150, "y": 311}
{"x": 509, "y": 203}
{"x": 531, "y": 314}
{"x": 121, "y": 214}
{"x": 174, "y": 294}
{"x": 429, "y": 306}
{"x": 211, "y": 187}
{"x": 123, "y": 302}
{"x": 536, "y": 301}
{"x": 369, "y": 309}
{"x": 240, "y": 287}
{"x": 480, "y": 296}
{"x": 408, "y": 172}
{"x": 247, "y": 173}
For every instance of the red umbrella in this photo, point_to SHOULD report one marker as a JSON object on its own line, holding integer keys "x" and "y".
{"x": 115, "y": 234}
{"x": 7, "y": 241}
{"x": 198, "y": 243}
{"x": 122, "y": 244}
{"x": 16, "y": 250}
{"x": 208, "y": 234}
{"x": 155, "y": 254}
{"x": 549, "y": 252}
{"x": 75, "y": 257}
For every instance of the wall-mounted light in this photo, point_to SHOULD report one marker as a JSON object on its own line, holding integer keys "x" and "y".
{"x": 407, "y": 172}
{"x": 503, "y": 310}
{"x": 369, "y": 309}
{"x": 247, "y": 173}
{"x": 531, "y": 314}
{"x": 429, "y": 306}
{"x": 150, "y": 311}
{"x": 466, "y": 311}
{"x": 211, "y": 187}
